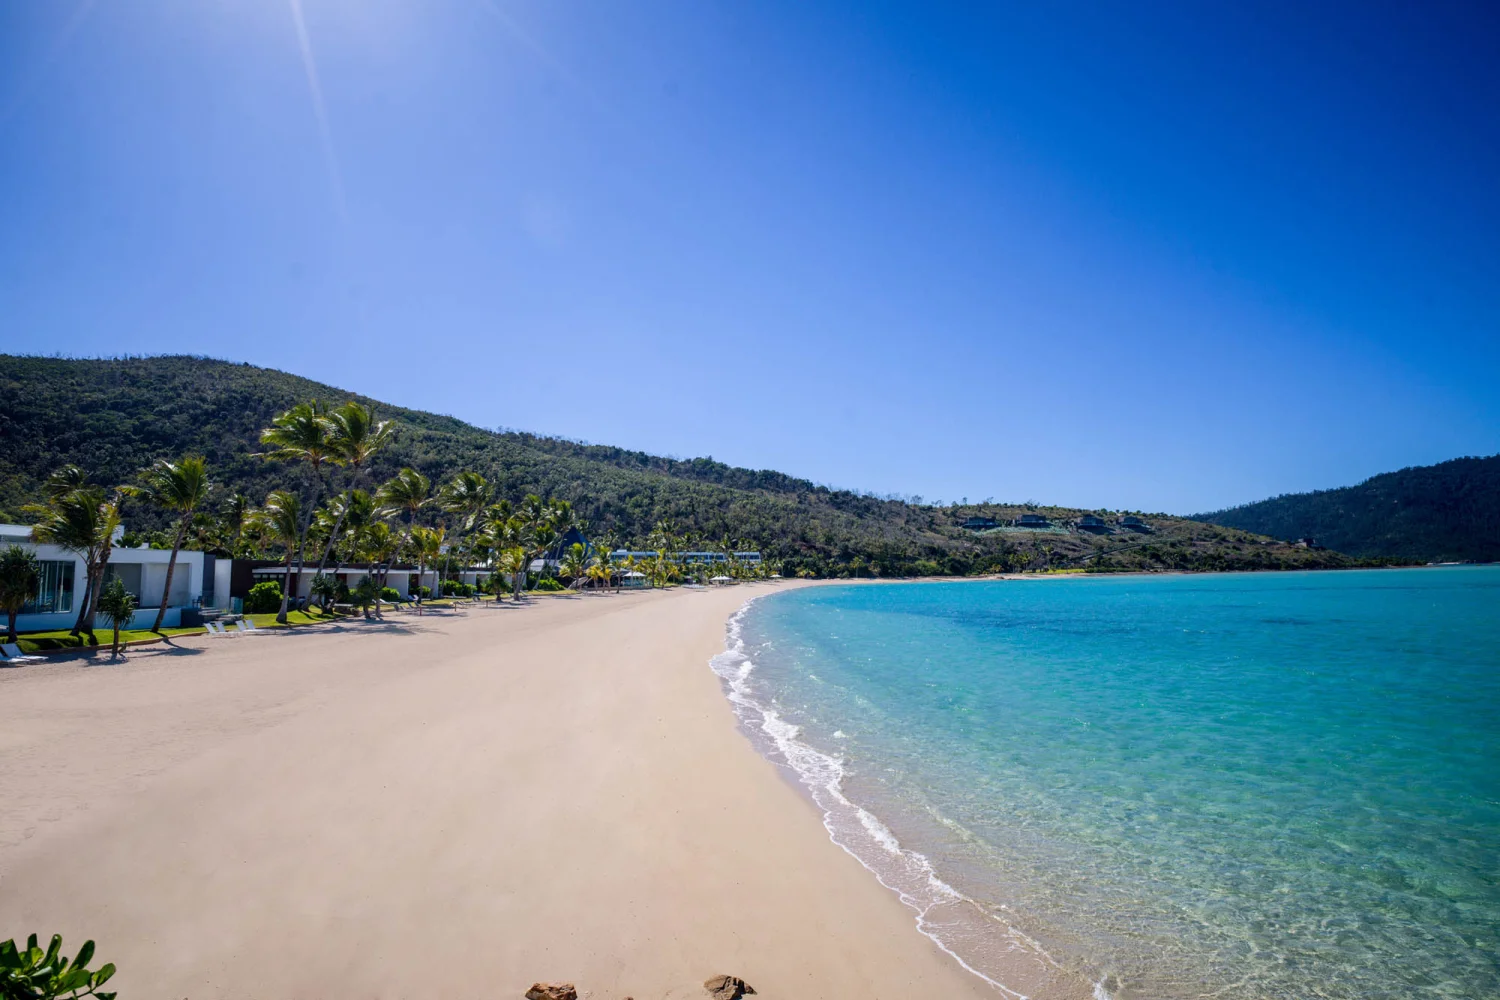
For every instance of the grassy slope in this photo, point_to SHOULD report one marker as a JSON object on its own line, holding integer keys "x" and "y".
{"x": 1449, "y": 511}
{"x": 113, "y": 417}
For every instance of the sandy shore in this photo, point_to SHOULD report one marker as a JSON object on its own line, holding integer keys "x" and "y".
{"x": 455, "y": 805}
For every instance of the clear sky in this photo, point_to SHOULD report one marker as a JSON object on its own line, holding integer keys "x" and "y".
{"x": 1160, "y": 256}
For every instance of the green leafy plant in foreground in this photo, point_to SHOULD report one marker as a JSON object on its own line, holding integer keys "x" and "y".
{"x": 32, "y": 974}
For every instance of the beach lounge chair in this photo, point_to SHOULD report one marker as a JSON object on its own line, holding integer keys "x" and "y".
{"x": 216, "y": 628}
{"x": 246, "y": 625}
{"x": 13, "y": 654}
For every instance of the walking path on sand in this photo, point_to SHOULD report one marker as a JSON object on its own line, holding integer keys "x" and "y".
{"x": 450, "y": 805}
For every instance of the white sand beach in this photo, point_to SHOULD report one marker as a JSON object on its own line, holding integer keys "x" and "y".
{"x": 451, "y": 805}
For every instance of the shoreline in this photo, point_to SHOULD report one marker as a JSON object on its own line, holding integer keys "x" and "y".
{"x": 984, "y": 945}
{"x": 559, "y": 791}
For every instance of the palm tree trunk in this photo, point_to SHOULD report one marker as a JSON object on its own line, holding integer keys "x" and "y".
{"x": 10, "y": 631}
{"x": 286, "y": 589}
{"x": 88, "y": 592}
{"x": 96, "y": 587}
{"x": 166, "y": 588}
{"x": 339, "y": 524}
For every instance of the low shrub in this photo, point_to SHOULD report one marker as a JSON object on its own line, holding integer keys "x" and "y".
{"x": 425, "y": 592}
{"x": 548, "y": 585}
{"x": 390, "y": 594}
{"x": 263, "y": 598}
{"x": 33, "y": 974}
{"x": 363, "y": 594}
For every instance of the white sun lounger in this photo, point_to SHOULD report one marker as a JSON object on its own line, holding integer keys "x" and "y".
{"x": 246, "y": 625}
{"x": 215, "y": 628}
{"x": 13, "y": 654}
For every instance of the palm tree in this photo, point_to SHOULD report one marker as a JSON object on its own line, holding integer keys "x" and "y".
{"x": 20, "y": 575}
{"x": 232, "y": 516}
{"x": 468, "y": 495}
{"x": 280, "y": 520}
{"x": 512, "y": 561}
{"x": 514, "y": 534}
{"x": 356, "y": 437}
{"x": 406, "y": 491}
{"x": 180, "y": 487}
{"x": 426, "y": 545}
{"x": 574, "y": 566}
{"x": 303, "y": 434}
{"x": 378, "y": 545}
{"x": 601, "y": 570}
{"x": 81, "y": 519}
{"x": 117, "y": 605}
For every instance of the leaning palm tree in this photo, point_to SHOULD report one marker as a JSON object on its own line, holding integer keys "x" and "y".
{"x": 81, "y": 519}
{"x": 357, "y": 437}
{"x": 405, "y": 492}
{"x": 20, "y": 575}
{"x": 468, "y": 496}
{"x": 303, "y": 434}
{"x": 280, "y": 520}
{"x": 180, "y": 487}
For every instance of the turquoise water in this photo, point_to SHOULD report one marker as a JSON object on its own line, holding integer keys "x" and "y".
{"x": 1253, "y": 785}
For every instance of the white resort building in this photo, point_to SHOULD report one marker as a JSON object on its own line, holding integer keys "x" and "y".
{"x": 200, "y": 580}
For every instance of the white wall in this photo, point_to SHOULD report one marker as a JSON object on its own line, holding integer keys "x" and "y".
{"x": 187, "y": 583}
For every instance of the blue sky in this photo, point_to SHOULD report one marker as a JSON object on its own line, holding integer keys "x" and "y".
{"x": 1159, "y": 256}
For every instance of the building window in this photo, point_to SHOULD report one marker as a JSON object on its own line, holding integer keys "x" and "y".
{"x": 55, "y": 591}
{"x": 130, "y": 575}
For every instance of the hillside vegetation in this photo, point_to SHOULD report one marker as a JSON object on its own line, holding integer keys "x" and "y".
{"x": 114, "y": 417}
{"x": 1433, "y": 513}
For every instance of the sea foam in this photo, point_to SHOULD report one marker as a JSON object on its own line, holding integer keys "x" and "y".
{"x": 981, "y": 942}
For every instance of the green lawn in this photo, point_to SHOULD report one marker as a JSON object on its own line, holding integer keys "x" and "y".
{"x": 33, "y": 642}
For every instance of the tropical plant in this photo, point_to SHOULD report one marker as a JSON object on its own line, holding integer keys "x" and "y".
{"x": 180, "y": 487}
{"x": 512, "y": 561}
{"x": 280, "y": 519}
{"x": 408, "y": 491}
{"x": 357, "y": 437}
{"x": 426, "y": 544}
{"x": 468, "y": 495}
{"x": 263, "y": 598}
{"x": 82, "y": 519}
{"x": 20, "y": 575}
{"x": 117, "y": 605}
{"x": 326, "y": 589}
{"x": 232, "y": 514}
{"x": 34, "y": 974}
{"x": 574, "y": 566}
{"x": 365, "y": 593}
{"x": 302, "y": 434}
{"x": 379, "y": 545}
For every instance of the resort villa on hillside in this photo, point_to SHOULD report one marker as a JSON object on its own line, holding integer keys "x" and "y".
{"x": 199, "y": 581}
{"x": 686, "y": 558}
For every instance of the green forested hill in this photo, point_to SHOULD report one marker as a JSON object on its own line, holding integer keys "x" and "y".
{"x": 1432, "y": 513}
{"x": 114, "y": 417}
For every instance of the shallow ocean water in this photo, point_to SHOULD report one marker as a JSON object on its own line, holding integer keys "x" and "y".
{"x": 1238, "y": 785}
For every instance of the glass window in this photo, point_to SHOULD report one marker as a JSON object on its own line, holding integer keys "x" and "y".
{"x": 54, "y": 591}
